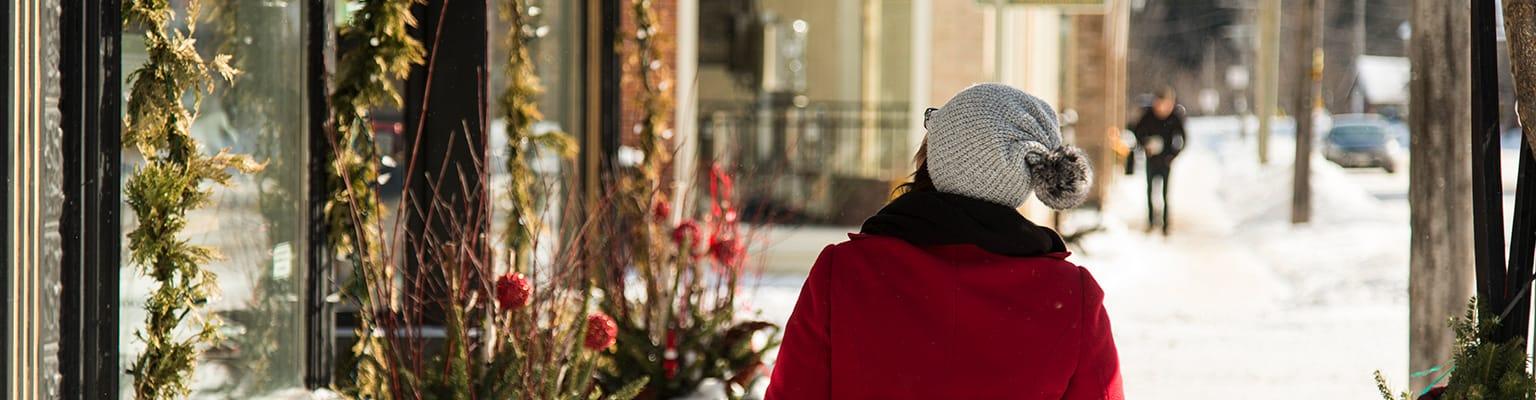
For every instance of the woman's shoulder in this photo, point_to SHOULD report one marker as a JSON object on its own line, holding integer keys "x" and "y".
{"x": 886, "y": 250}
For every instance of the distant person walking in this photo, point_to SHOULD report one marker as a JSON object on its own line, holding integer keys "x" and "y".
{"x": 1160, "y": 136}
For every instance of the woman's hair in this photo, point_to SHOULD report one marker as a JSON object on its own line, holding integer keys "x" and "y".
{"x": 921, "y": 182}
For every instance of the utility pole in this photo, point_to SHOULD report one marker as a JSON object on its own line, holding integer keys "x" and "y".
{"x": 1266, "y": 91}
{"x": 1439, "y": 179}
{"x": 1309, "y": 34}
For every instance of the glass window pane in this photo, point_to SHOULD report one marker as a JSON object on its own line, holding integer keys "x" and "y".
{"x": 258, "y": 222}
{"x": 553, "y": 36}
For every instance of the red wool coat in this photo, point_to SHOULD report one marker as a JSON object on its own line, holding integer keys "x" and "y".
{"x": 879, "y": 318}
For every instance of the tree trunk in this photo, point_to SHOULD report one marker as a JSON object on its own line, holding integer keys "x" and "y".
{"x": 1439, "y": 179}
{"x": 1309, "y": 33}
{"x": 1520, "y": 33}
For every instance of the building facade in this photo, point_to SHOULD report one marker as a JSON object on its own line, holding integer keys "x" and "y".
{"x": 816, "y": 105}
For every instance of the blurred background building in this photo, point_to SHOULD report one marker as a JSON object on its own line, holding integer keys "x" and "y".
{"x": 815, "y": 95}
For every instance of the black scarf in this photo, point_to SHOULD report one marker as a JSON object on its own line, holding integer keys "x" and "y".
{"x": 930, "y": 218}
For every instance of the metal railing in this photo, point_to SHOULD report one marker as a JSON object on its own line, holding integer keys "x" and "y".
{"x": 808, "y": 161}
{"x": 851, "y": 139}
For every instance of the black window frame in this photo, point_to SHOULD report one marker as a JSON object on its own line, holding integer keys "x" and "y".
{"x": 89, "y": 65}
{"x": 319, "y": 315}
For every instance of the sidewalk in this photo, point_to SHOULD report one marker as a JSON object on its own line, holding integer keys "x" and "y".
{"x": 1237, "y": 303}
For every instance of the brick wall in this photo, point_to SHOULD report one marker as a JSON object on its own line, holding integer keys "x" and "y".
{"x": 631, "y": 112}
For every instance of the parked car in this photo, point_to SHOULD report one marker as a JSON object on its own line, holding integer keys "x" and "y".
{"x": 1363, "y": 142}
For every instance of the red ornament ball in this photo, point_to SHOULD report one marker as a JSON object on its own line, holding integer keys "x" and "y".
{"x": 601, "y": 331}
{"x": 727, "y": 252}
{"x": 513, "y": 291}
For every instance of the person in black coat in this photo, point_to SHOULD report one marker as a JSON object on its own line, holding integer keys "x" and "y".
{"x": 1160, "y": 136}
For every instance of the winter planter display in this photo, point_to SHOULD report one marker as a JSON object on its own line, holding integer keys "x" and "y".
{"x": 1479, "y": 368}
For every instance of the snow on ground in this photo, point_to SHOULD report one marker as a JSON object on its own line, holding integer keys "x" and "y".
{"x": 1237, "y": 302}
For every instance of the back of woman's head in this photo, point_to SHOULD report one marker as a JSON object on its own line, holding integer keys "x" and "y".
{"x": 996, "y": 143}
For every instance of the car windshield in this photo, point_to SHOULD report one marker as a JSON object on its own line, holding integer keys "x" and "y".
{"x": 1356, "y": 134}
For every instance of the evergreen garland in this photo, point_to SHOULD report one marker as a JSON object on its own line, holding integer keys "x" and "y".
{"x": 640, "y": 190}
{"x": 520, "y": 110}
{"x": 161, "y": 191}
{"x": 381, "y": 51}
{"x": 654, "y": 102}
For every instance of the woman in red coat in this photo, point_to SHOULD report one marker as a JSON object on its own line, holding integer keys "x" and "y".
{"x": 948, "y": 292}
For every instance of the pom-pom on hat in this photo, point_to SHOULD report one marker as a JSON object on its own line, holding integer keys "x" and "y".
{"x": 996, "y": 143}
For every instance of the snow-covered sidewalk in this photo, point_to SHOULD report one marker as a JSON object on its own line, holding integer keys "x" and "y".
{"x": 1238, "y": 303}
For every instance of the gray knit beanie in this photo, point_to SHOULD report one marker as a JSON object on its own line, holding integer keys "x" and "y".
{"x": 996, "y": 143}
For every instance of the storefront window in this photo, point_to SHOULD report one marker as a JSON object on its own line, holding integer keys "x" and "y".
{"x": 257, "y": 223}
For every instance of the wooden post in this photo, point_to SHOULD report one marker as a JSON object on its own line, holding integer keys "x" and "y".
{"x": 1309, "y": 33}
{"x": 1439, "y": 180}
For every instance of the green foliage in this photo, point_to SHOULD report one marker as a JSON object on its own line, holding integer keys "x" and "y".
{"x": 1485, "y": 369}
{"x": 1480, "y": 368}
{"x": 163, "y": 189}
{"x": 1386, "y": 389}
{"x": 539, "y": 353}
{"x": 716, "y": 347}
{"x": 381, "y": 52}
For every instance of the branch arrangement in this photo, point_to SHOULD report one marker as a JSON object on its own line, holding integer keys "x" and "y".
{"x": 451, "y": 327}
{"x": 164, "y": 188}
{"x": 381, "y": 52}
{"x": 672, "y": 288}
